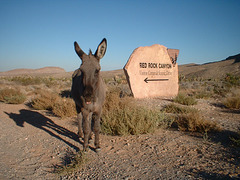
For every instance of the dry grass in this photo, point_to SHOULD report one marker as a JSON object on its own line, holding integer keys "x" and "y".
{"x": 185, "y": 99}
{"x": 194, "y": 122}
{"x": 26, "y": 80}
{"x": 121, "y": 116}
{"x": 35, "y": 80}
{"x": 236, "y": 140}
{"x": 176, "y": 109}
{"x": 12, "y": 96}
{"x": 203, "y": 94}
{"x": 232, "y": 101}
{"x": 71, "y": 162}
{"x": 62, "y": 107}
{"x": 44, "y": 100}
{"x": 189, "y": 119}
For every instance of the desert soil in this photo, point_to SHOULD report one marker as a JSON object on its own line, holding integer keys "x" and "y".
{"x": 33, "y": 142}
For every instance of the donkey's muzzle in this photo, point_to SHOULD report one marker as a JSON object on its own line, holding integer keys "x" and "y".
{"x": 88, "y": 94}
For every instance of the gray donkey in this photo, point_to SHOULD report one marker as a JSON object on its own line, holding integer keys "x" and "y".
{"x": 88, "y": 92}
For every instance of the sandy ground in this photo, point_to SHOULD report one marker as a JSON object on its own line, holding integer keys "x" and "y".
{"x": 32, "y": 142}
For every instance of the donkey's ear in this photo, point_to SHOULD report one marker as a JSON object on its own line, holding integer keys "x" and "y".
{"x": 78, "y": 50}
{"x": 100, "y": 52}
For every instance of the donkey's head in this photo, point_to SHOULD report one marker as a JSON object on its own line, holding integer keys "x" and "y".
{"x": 90, "y": 69}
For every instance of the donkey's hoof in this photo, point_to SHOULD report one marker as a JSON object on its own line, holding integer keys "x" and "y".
{"x": 98, "y": 150}
{"x": 80, "y": 134}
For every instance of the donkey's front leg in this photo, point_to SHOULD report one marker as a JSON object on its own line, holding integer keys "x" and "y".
{"x": 86, "y": 129}
{"x": 80, "y": 131}
{"x": 96, "y": 129}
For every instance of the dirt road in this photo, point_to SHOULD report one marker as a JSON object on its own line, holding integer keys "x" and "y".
{"x": 33, "y": 141}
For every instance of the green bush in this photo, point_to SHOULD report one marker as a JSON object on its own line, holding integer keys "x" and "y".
{"x": 12, "y": 96}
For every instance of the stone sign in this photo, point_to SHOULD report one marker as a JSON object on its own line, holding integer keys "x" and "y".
{"x": 152, "y": 71}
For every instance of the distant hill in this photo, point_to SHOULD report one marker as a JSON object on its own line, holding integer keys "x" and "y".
{"x": 44, "y": 71}
{"x": 215, "y": 70}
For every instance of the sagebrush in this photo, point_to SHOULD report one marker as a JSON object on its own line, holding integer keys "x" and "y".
{"x": 121, "y": 116}
{"x": 46, "y": 100}
{"x": 190, "y": 119}
{"x": 232, "y": 101}
{"x": 185, "y": 99}
{"x": 12, "y": 96}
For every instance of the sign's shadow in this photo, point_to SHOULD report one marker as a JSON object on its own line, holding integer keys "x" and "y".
{"x": 40, "y": 121}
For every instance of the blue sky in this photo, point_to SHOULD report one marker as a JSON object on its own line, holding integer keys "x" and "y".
{"x": 35, "y": 34}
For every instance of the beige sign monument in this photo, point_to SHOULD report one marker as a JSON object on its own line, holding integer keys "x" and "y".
{"x": 152, "y": 72}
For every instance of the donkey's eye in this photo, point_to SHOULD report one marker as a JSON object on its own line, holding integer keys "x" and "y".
{"x": 96, "y": 71}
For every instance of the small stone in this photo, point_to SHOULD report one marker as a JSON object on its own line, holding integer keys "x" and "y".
{"x": 98, "y": 150}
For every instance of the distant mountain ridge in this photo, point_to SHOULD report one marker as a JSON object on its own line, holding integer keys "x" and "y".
{"x": 236, "y": 57}
{"x": 215, "y": 70}
{"x": 45, "y": 70}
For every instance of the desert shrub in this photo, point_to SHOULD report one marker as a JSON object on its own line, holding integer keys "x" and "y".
{"x": 236, "y": 140}
{"x": 203, "y": 94}
{"x": 45, "y": 100}
{"x": 34, "y": 80}
{"x": 12, "y": 96}
{"x": 232, "y": 80}
{"x": 189, "y": 119}
{"x": 121, "y": 116}
{"x": 71, "y": 162}
{"x": 232, "y": 101}
{"x": 176, "y": 109}
{"x": 50, "y": 82}
{"x": 64, "y": 107}
{"x": 193, "y": 122}
{"x": 221, "y": 89}
{"x": 26, "y": 80}
{"x": 184, "y": 99}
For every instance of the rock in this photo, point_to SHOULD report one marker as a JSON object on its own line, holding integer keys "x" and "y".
{"x": 152, "y": 71}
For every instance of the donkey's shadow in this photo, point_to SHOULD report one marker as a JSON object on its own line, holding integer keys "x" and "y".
{"x": 40, "y": 121}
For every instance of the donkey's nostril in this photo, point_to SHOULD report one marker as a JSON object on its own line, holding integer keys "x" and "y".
{"x": 88, "y": 98}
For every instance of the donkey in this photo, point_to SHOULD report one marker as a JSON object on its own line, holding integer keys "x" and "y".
{"x": 88, "y": 92}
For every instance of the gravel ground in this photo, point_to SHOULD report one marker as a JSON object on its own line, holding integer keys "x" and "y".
{"x": 32, "y": 142}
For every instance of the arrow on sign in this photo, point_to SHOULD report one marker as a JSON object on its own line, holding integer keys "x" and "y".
{"x": 146, "y": 80}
